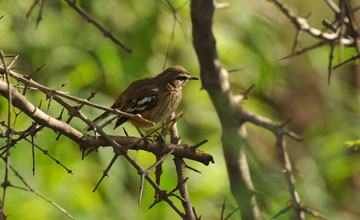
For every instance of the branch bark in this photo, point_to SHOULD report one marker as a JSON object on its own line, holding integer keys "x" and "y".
{"x": 87, "y": 141}
{"x": 180, "y": 171}
{"x": 214, "y": 79}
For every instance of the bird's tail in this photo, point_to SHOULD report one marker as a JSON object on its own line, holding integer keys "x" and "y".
{"x": 98, "y": 120}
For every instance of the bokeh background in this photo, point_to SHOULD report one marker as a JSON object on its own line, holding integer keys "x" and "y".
{"x": 252, "y": 36}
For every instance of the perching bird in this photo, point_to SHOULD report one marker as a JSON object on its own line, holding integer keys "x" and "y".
{"x": 155, "y": 98}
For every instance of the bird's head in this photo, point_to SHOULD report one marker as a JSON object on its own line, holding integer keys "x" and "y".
{"x": 175, "y": 76}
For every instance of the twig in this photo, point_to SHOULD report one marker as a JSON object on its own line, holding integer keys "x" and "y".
{"x": 287, "y": 170}
{"x": 235, "y": 70}
{"x": 7, "y": 159}
{"x": 86, "y": 141}
{"x": 331, "y": 56}
{"x": 12, "y": 143}
{"x": 39, "y": 18}
{"x": 196, "y": 146}
{"x": 341, "y": 27}
{"x": 161, "y": 193}
{"x": 30, "y": 76}
{"x": 92, "y": 93}
{"x": 333, "y": 6}
{"x": 45, "y": 152}
{"x": 354, "y": 9}
{"x": 160, "y": 160}
{"x": 353, "y": 25}
{"x": 302, "y": 24}
{"x": 346, "y": 61}
{"x": 329, "y": 25}
{"x": 51, "y": 92}
{"x": 267, "y": 124}
{"x": 107, "y": 33}
{"x": 301, "y": 51}
{"x": 314, "y": 213}
{"x": 193, "y": 169}
{"x": 106, "y": 171}
{"x": 32, "y": 131}
{"x": 12, "y": 62}
{"x": 173, "y": 11}
{"x": 142, "y": 179}
{"x": 33, "y": 154}
{"x": 40, "y": 195}
{"x": 170, "y": 42}
{"x": 231, "y": 213}
{"x": 223, "y": 210}
{"x": 32, "y": 8}
{"x": 283, "y": 211}
{"x": 180, "y": 171}
{"x": 35, "y": 72}
{"x": 296, "y": 40}
{"x": 158, "y": 172}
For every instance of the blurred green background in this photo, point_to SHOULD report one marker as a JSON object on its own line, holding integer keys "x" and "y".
{"x": 251, "y": 36}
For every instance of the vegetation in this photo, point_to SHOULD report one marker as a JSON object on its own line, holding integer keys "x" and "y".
{"x": 251, "y": 39}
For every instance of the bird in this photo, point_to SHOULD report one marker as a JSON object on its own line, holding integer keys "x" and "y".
{"x": 154, "y": 98}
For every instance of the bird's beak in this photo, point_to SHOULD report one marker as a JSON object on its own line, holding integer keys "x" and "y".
{"x": 190, "y": 77}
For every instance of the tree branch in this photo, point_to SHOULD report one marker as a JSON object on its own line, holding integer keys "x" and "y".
{"x": 214, "y": 79}
{"x": 86, "y": 141}
{"x": 180, "y": 171}
{"x": 89, "y": 18}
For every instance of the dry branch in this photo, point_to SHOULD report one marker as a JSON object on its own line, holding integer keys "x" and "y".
{"x": 302, "y": 24}
{"x": 107, "y": 33}
{"x": 343, "y": 32}
{"x": 51, "y": 92}
{"x": 214, "y": 79}
{"x": 86, "y": 141}
{"x": 118, "y": 143}
{"x": 180, "y": 171}
{"x": 231, "y": 114}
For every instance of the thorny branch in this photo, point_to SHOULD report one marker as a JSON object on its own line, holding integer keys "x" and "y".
{"x": 7, "y": 158}
{"x": 86, "y": 142}
{"x": 107, "y": 33}
{"x": 180, "y": 170}
{"x": 30, "y": 189}
{"x": 73, "y": 4}
{"x": 343, "y": 32}
{"x": 215, "y": 80}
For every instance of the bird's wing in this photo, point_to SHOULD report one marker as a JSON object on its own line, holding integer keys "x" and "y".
{"x": 137, "y": 100}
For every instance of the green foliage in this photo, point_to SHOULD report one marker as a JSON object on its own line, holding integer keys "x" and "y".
{"x": 251, "y": 36}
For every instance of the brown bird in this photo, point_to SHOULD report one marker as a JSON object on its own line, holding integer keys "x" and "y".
{"x": 155, "y": 98}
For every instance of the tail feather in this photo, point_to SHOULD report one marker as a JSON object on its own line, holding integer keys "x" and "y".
{"x": 98, "y": 119}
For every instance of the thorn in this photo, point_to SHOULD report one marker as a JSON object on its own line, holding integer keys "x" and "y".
{"x": 246, "y": 92}
{"x": 40, "y": 103}
{"x": 193, "y": 169}
{"x": 35, "y": 72}
{"x": 125, "y": 132}
{"x": 194, "y": 147}
{"x": 286, "y": 122}
{"x": 63, "y": 84}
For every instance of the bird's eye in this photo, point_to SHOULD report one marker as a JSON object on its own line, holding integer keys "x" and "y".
{"x": 181, "y": 78}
